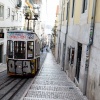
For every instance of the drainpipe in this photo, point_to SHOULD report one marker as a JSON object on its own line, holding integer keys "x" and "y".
{"x": 68, "y": 6}
{"x": 58, "y": 58}
{"x": 90, "y": 44}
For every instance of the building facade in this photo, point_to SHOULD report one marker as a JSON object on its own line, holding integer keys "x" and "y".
{"x": 78, "y": 39}
{"x": 11, "y": 18}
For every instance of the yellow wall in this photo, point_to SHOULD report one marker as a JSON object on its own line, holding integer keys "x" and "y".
{"x": 97, "y": 11}
{"x": 97, "y": 16}
{"x": 77, "y": 11}
{"x": 29, "y": 4}
{"x": 90, "y": 10}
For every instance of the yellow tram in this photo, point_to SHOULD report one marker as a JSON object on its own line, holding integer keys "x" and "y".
{"x": 23, "y": 53}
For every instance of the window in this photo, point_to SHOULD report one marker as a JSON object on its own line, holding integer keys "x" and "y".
{"x": 16, "y": 16}
{"x": 30, "y": 50}
{"x": 84, "y": 6}
{"x": 1, "y": 11}
{"x": 69, "y": 50}
{"x": 8, "y": 12}
{"x": 72, "y": 55}
{"x": 13, "y": 15}
{"x": 20, "y": 17}
{"x": 10, "y": 48}
{"x": 19, "y": 50}
{"x": 67, "y": 11}
{"x": 73, "y": 8}
{"x": 1, "y": 30}
{"x": 37, "y": 48}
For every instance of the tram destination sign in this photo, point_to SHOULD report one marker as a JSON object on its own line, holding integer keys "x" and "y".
{"x": 1, "y": 35}
{"x": 20, "y": 36}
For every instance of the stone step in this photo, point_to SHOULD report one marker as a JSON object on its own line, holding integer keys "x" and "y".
{"x": 54, "y": 95}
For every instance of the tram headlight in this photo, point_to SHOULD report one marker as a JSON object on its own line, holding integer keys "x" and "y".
{"x": 19, "y": 66}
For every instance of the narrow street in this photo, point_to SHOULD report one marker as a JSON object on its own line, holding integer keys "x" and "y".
{"x": 52, "y": 84}
{"x": 12, "y": 88}
{"x": 49, "y": 50}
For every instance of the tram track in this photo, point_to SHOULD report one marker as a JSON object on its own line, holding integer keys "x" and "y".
{"x": 9, "y": 88}
{"x": 3, "y": 74}
{"x": 13, "y": 87}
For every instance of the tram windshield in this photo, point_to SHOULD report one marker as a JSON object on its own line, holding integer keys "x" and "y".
{"x": 19, "y": 49}
{"x": 30, "y": 49}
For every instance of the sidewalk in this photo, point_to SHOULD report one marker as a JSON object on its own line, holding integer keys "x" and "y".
{"x": 52, "y": 84}
{"x": 3, "y": 67}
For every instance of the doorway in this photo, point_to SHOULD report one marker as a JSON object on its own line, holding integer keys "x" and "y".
{"x": 79, "y": 52}
{"x": 1, "y": 49}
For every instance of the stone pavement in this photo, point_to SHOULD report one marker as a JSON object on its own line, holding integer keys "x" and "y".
{"x": 52, "y": 84}
{"x": 3, "y": 67}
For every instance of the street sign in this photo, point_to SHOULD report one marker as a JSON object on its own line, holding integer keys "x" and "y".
{"x": 1, "y": 35}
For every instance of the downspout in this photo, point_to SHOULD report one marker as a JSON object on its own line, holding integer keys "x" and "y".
{"x": 92, "y": 26}
{"x": 58, "y": 59}
{"x": 68, "y": 6}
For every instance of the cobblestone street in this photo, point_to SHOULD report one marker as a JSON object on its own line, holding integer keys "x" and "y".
{"x": 52, "y": 84}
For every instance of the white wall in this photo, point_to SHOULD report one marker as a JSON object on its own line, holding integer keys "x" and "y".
{"x": 93, "y": 89}
{"x": 7, "y": 22}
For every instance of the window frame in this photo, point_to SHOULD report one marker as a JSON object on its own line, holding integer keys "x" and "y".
{"x": 37, "y": 48}
{"x": 8, "y": 12}
{"x": 32, "y": 50}
{"x": 8, "y": 49}
{"x": 20, "y": 48}
{"x": 67, "y": 9}
{"x": 1, "y": 11}
{"x": 84, "y": 6}
{"x": 73, "y": 8}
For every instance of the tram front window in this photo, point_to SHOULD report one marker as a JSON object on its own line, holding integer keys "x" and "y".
{"x": 30, "y": 49}
{"x": 19, "y": 49}
{"x": 10, "y": 48}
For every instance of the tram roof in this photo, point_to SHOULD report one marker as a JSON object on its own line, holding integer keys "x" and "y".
{"x": 20, "y": 31}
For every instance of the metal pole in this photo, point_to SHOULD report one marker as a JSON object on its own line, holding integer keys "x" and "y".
{"x": 34, "y": 26}
{"x": 28, "y": 24}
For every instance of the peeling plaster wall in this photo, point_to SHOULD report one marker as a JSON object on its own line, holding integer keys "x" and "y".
{"x": 93, "y": 88}
{"x": 78, "y": 33}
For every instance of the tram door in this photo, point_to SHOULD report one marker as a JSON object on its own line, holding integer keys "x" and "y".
{"x": 1, "y": 47}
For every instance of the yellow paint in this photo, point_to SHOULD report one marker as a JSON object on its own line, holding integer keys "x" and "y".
{"x": 33, "y": 61}
{"x": 29, "y": 4}
{"x": 77, "y": 11}
{"x": 97, "y": 17}
{"x": 90, "y": 11}
{"x": 33, "y": 71}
